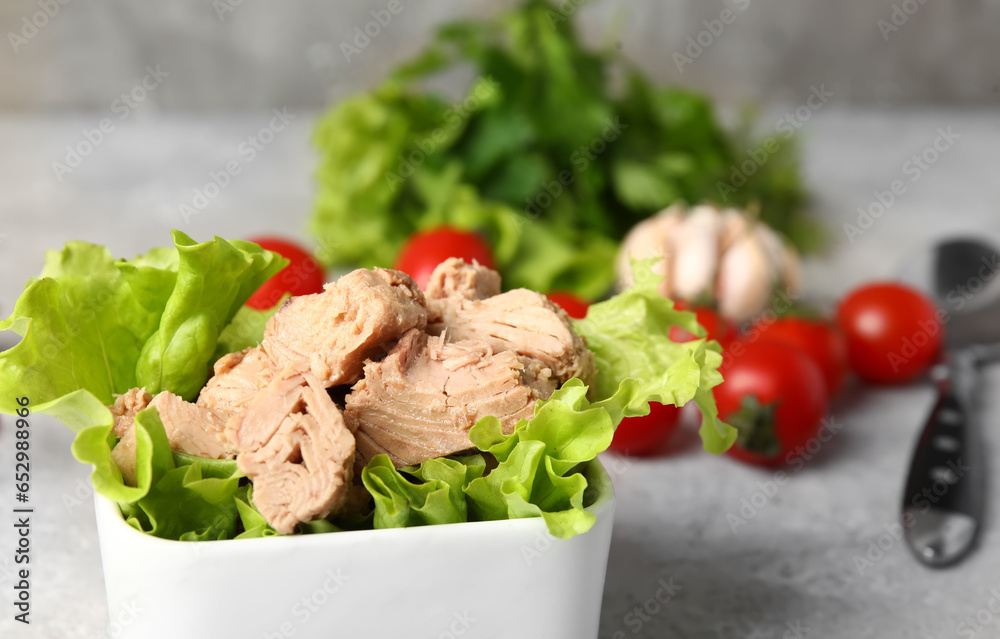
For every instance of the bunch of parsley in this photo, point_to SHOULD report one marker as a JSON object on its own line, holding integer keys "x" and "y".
{"x": 540, "y": 156}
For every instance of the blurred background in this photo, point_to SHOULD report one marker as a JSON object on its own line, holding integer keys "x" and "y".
{"x": 163, "y": 96}
{"x": 248, "y": 54}
{"x": 902, "y": 69}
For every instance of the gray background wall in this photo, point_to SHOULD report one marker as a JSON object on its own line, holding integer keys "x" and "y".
{"x": 263, "y": 54}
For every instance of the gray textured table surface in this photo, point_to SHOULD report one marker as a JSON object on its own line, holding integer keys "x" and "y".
{"x": 791, "y": 570}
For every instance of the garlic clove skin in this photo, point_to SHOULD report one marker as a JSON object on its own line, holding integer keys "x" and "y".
{"x": 773, "y": 245}
{"x": 666, "y": 229}
{"x": 791, "y": 271}
{"x": 735, "y": 224}
{"x": 640, "y": 243}
{"x": 649, "y": 239}
{"x": 788, "y": 270}
{"x": 746, "y": 279}
{"x": 695, "y": 246}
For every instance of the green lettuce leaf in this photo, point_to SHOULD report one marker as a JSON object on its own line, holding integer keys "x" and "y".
{"x": 539, "y": 462}
{"x": 176, "y": 357}
{"x": 191, "y": 501}
{"x": 629, "y": 335}
{"x": 254, "y": 524}
{"x": 92, "y": 327}
{"x": 435, "y": 498}
{"x": 104, "y": 326}
{"x": 83, "y": 325}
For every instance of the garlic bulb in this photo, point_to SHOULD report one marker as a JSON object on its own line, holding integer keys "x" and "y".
{"x": 711, "y": 255}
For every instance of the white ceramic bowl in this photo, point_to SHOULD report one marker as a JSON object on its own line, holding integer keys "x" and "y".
{"x": 496, "y": 579}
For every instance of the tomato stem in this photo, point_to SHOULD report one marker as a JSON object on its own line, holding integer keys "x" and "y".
{"x": 755, "y": 424}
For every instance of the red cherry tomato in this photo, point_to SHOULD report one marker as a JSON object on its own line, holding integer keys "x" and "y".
{"x": 645, "y": 435}
{"x": 819, "y": 339}
{"x": 573, "y": 305}
{"x": 426, "y": 249}
{"x": 718, "y": 328}
{"x": 893, "y": 332}
{"x": 302, "y": 276}
{"x": 775, "y": 396}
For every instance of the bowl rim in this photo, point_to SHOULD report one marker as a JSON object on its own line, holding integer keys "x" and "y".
{"x": 109, "y": 512}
